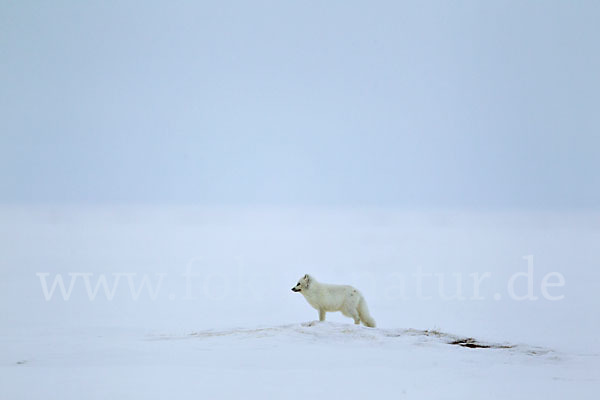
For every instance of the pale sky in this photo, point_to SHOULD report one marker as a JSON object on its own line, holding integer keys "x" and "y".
{"x": 412, "y": 104}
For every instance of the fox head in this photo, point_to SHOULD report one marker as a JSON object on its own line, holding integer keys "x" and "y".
{"x": 303, "y": 283}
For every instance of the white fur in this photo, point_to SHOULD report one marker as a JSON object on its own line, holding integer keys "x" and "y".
{"x": 330, "y": 298}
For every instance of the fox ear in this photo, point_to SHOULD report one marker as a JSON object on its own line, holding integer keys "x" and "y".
{"x": 306, "y": 276}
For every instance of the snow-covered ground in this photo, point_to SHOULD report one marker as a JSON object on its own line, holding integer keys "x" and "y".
{"x": 222, "y": 321}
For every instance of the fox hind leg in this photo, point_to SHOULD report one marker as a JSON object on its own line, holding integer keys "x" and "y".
{"x": 352, "y": 313}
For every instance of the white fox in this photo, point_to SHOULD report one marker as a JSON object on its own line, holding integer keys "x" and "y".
{"x": 344, "y": 298}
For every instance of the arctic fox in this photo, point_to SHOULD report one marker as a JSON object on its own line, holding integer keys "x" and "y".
{"x": 324, "y": 298}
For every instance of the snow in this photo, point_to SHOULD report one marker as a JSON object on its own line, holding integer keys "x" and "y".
{"x": 241, "y": 332}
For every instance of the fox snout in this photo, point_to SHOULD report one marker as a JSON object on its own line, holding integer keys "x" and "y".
{"x": 295, "y": 289}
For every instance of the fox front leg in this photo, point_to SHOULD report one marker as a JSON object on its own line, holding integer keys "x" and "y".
{"x": 321, "y": 315}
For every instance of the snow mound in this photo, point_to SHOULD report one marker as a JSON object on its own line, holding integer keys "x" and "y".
{"x": 340, "y": 333}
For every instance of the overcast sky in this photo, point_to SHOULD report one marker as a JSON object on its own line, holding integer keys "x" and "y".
{"x": 420, "y": 104}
